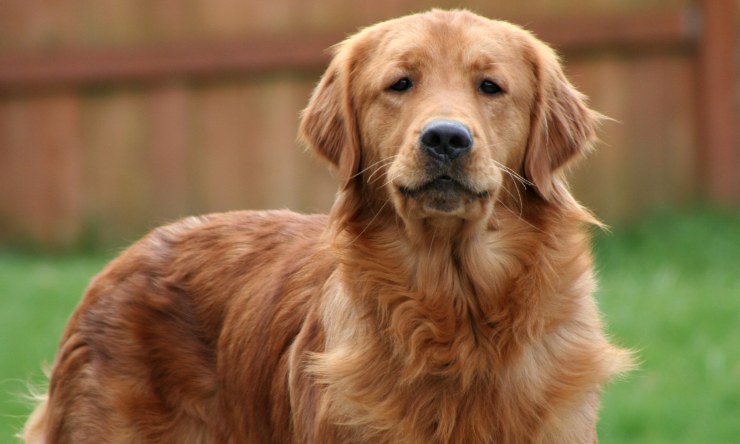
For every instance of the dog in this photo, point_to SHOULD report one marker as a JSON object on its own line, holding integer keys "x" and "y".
{"x": 445, "y": 298}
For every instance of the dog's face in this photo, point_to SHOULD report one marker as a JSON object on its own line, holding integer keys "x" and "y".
{"x": 439, "y": 113}
{"x": 448, "y": 113}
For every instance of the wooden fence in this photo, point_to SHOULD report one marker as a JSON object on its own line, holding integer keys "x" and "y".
{"x": 116, "y": 116}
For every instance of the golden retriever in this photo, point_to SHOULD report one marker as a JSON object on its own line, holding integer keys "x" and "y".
{"x": 446, "y": 298}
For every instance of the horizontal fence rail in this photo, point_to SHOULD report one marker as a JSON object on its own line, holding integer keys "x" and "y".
{"x": 671, "y": 30}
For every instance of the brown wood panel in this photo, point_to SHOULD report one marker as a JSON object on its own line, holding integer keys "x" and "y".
{"x": 39, "y": 149}
{"x": 646, "y": 156}
{"x": 167, "y": 146}
{"x": 718, "y": 101}
{"x": 118, "y": 189}
{"x": 59, "y": 126}
{"x": 277, "y": 134}
{"x": 231, "y": 174}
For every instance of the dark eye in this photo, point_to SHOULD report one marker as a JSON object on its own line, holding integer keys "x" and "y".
{"x": 490, "y": 87}
{"x": 401, "y": 85}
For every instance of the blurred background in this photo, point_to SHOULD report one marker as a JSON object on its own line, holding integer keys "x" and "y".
{"x": 119, "y": 115}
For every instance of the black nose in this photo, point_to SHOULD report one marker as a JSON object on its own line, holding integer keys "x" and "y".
{"x": 446, "y": 140}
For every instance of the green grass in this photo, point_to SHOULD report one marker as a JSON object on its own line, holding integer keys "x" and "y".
{"x": 670, "y": 289}
{"x": 37, "y": 295}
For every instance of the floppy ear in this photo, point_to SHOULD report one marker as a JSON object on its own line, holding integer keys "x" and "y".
{"x": 562, "y": 126}
{"x": 328, "y": 123}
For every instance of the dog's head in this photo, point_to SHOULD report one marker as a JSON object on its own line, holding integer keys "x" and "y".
{"x": 446, "y": 112}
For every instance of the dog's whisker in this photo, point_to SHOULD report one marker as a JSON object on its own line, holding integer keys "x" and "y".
{"x": 380, "y": 163}
{"x": 521, "y": 219}
{"x": 359, "y": 173}
{"x": 517, "y": 198}
{"x": 378, "y": 174}
{"x": 391, "y": 180}
{"x": 369, "y": 224}
{"x": 371, "y": 179}
{"x": 514, "y": 175}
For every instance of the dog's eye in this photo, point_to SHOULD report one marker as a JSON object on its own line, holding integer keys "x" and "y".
{"x": 401, "y": 85}
{"x": 490, "y": 87}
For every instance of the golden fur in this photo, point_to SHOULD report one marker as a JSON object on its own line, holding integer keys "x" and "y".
{"x": 415, "y": 312}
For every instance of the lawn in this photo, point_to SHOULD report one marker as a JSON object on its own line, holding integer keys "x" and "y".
{"x": 670, "y": 289}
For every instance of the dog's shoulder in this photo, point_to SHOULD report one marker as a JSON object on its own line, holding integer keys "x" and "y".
{"x": 199, "y": 267}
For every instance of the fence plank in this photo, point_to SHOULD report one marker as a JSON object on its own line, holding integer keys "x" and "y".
{"x": 168, "y": 145}
{"x": 40, "y": 142}
{"x": 717, "y": 103}
{"x": 118, "y": 188}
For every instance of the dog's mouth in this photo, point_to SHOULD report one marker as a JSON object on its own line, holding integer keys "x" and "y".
{"x": 444, "y": 194}
{"x": 442, "y": 184}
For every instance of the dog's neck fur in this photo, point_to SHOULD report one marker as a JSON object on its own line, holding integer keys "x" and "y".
{"x": 436, "y": 294}
{"x": 437, "y": 315}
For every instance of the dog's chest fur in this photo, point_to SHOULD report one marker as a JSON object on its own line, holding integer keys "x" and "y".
{"x": 440, "y": 345}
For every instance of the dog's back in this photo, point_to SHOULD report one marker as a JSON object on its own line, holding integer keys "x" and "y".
{"x": 140, "y": 359}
